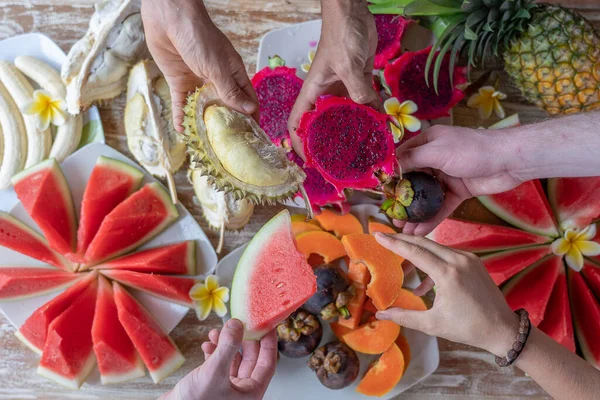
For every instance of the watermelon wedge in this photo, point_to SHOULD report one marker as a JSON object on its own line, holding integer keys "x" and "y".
{"x": 532, "y": 287}
{"x": 575, "y": 200}
{"x": 170, "y": 288}
{"x": 118, "y": 360}
{"x": 110, "y": 183}
{"x": 17, "y": 236}
{"x": 132, "y": 223}
{"x": 45, "y": 194}
{"x": 525, "y": 207}
{"x": 591, "y": 272}
{"x": 35, "y": 329}
{"x": 481, "y": 238}
{"x": 586, "y": 314}
{"x": 174, "y": 259}
{"x": 272, "y": 278}
{"x": 18, "y": 282}
{"x": 557, "y": 321}
{"x": 68, "y": 356}
{"x": 505, "y": 264}
{"x": 154, "y": 345}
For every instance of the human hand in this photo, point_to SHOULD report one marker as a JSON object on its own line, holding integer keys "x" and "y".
{"x": 190, "y": 51}
{"x": 249, "y": 372}
{"x": 343, "y": 64}
{"x": 467, "y": 162}
{"x": 468, "y": 308}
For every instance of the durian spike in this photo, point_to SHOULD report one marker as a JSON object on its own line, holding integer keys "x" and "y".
{"x": 309, "y": 210}
{"x": 221, "y": 238}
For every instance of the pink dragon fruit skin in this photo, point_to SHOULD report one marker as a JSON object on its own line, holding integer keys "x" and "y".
{"x": 347, "y": 143}
{"x": 405, "y": 77}
{"x": 390, "y": 29}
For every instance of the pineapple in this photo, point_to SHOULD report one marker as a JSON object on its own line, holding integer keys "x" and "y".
{"x": 552, "y": 53}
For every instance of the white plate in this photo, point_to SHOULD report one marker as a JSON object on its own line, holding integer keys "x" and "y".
{"x": 43, "y": 48}
{"x": 77, "y": 169}
{"x": 294, "y": 380}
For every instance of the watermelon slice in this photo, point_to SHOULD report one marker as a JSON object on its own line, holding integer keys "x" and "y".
{"x": 45, "y": 194}
{"x": 175, "y": 259}
{"x": 118, "y": 361}
{"x": 586, "y": 314}
{"x": 481, "y": 238}
{"x": 557, "y": 321}
{"x": 18, "y": 282}
{"x": 17, "y": 236}
{"x": 132, "y": 223}
{"x": 591, "y": 272}
{"x": 505, "y": 264}
{"x": 525, "y": 207}
{"x": 34, "y": 331}
{"x": 272, "y": 278}
{"x": 531, "y": 288}
{"x": 110, "y": 183}
{"x": 154, "y": 345}
{"x": 575, "y": 200}
{"x": 170, "y": 288}
{"x": 68, "y": 356}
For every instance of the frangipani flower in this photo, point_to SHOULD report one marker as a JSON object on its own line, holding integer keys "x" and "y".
{"x": 401, "y": 114}
{"x": 486, "y": 101}
{"x": 47, "y": 109}
{"x": 574, "y": 245}
{"x": 210, "y": 296}
{"x": 311, "y": 57}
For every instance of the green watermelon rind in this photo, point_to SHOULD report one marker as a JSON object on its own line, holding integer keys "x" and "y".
{"x": 581, "y": 337}
{"x": 565, "y": 220}
{"x": 77, "y": 381}
{"x": 508, "y": 252}
{"x": 73, "y": 279}
{"x": 133, "y": 172}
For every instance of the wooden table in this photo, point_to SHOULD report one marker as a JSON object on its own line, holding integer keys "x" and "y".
{"x": 464, "y": 372}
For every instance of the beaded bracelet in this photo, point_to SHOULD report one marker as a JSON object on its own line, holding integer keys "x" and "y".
{"x": 517, "y": 347}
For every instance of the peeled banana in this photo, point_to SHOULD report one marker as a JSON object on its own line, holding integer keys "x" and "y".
{"x": 14, "y": 138}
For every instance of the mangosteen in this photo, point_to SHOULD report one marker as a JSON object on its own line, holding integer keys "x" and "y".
{"x": 336, "y": 365}
{"x": 334, "y": 291}
{"x": 417, "y": 197}
{"x": 299, "y": 335}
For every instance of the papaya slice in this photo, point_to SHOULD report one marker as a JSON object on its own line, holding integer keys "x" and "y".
{"x": 359, "y": 273}
{"x": 384, "y": 266}
{"x": 409, "y": 301}
{"x": 338, "y": 330}
{"x": 321, "y": 243}
{"x": 384, "y": 374}
{"x": 299, "y": 227}
{"x": 360, "y": 277}
{"x": 374, "y": 337}
{"x": 376, "y": 226}
{"x": 403, "y": 345}
{"x": 341, "y": 225}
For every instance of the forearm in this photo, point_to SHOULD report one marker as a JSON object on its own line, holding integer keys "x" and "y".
{"x": 333, "y": 10}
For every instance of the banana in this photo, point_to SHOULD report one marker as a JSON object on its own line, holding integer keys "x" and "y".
{"x": 14, "y": 138}
{"x": 67, "y": 138}
{"x": 38, "y": 141}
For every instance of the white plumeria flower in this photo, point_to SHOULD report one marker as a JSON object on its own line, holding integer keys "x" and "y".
{"x": 574, "y": 245}
{"x": 210, "y": 296}
{"x": 47, "y": 109}
{"x": 311, "y": 57}
{"x": 401, "y": 114}
{"x": 488, "y": 100}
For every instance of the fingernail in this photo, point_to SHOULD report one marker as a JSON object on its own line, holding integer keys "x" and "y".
{"x": 235, "y": 324}
{"x": 381, "y": 315}
{"x": 249, "y": 107}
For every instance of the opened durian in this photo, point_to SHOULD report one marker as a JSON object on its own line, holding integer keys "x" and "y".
{"x": 151, "y": 137}
{"x": 97, "y": 65}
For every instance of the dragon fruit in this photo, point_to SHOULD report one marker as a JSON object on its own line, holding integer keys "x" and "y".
{"x": 406, "y": 79}
{"x": 277, "y": 88}
{"x": 390, "y": 29}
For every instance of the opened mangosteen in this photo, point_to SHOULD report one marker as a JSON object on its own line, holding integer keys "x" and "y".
{"x": 299, "y": 335}
{"x": 334, "y": 291}
{"x": 417, "y": 197}
{"x": 336, "y": 365}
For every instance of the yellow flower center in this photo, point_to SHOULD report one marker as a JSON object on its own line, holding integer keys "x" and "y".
{"x": 210, "y": 296}
{"x": 402, "y": 117}
{"x": 574, "y": 245}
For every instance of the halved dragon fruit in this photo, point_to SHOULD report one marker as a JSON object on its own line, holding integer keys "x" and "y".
{"x": 390, "y": 29}
{"x": 406, "y": 79}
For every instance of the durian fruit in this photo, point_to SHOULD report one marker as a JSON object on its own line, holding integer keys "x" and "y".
{"x": 221, "y": 210}
{"x": 151, "y": 137}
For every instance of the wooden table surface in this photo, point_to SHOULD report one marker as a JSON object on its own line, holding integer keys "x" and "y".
{"x": 464, "y": 372}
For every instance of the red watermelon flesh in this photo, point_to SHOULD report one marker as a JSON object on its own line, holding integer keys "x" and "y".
{"x": 132, "y": 223}
{"x": 46, "y": 196}
{"x": 110, "y": 183}
{"x": 34, "y": 331}
{"x": 597, "y": 240}
{"x": 174, "y": 259}
{"x": 17, "y": 236}
{"x": 170, "y": 288}
{"x": 586, "y": 314}
{"x": 557, "y": 321}
{"x": 18, "y": 282}
{"x": 591, "y": 272}
{"x": 480, "y": 238}
{"x": 505, "y": 264}
{"x": 68, "y": 356}
{"x": 525, "y": 207}
{"x": 575, "y": 200}
{"x": 154, "y": 345}
{"x": 118, "y": 360}
{"x": 531, "y": 288}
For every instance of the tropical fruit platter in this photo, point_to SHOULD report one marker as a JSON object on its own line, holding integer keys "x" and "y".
{"x": 99, "y": 259}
